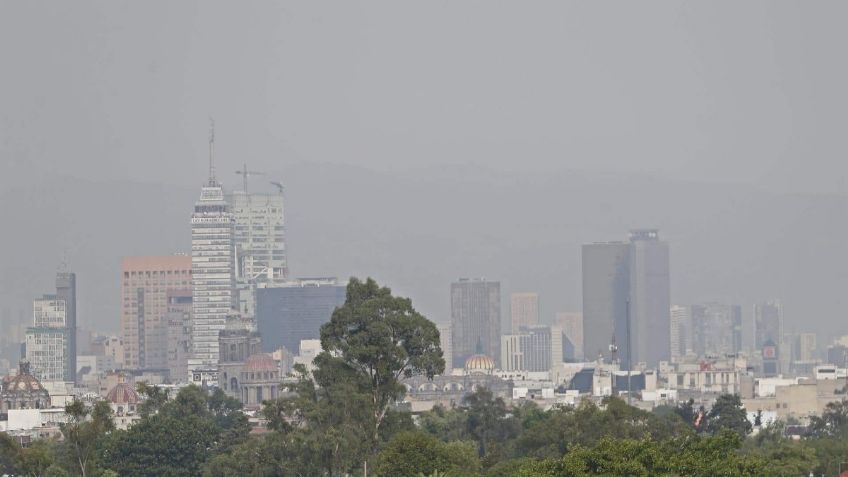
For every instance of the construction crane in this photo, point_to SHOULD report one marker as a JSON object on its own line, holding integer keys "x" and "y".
{"x": 246, "y": 173}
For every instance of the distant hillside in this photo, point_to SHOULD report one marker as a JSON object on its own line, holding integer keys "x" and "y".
{"x": 418, "y": 230}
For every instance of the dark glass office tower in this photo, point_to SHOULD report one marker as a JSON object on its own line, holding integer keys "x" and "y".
{"x": 293, "y": 311}
{"x": 618, "y": 275}
{"x": 606, "y": 286}
{"x": 650, "y": 301}
{"x": 475, "y": 319}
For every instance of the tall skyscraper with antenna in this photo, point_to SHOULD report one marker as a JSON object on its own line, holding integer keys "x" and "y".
{"x": 212, "y": 274}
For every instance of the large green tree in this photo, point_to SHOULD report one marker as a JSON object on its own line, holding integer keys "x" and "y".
{"x": 154, "y": 398}
{"x": 36, "y": 459}
{"x": 446, "y": 424}
{"x": 10, "y": 454}
{"x": 409, "y": 454}
{"x": 692, "y": 456}
{"x": 727, "y": 413}
{"x": 179, "y": 439}
{"x": 488, "y": 421}
{"x": 84, "y": 430}
{"x": 382, "y": 339}
{"x": 833, "y": 421}
{"x": 324, "y": 419}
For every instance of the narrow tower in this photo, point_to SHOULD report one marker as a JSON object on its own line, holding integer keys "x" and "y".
{"x": 212, "y": 274}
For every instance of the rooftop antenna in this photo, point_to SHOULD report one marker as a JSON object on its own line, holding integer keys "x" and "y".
{"x": 629, "y": 354}
{"x": 246, "y": 173}
{"x": 613, "y": 349}
{"x": 63, "y": 265}
{"x": 212, "y": 181}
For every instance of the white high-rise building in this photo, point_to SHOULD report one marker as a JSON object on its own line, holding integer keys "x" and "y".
{"x": 47, "y": 341}
{"x": 259, "y": 237}
{"x": 680, "y": 330}
{"x": 533, "y": 348}
{"x": 212, "y": 276}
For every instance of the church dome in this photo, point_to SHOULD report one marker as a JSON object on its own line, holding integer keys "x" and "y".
{"x": 260, "y": 363}
{"x": 23, "y": 382}
{"x": 23, "y": 391}
{"x": 479, "y": 363}
{"x": 122, "y": 393}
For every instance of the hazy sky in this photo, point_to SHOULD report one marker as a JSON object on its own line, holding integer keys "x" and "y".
{"x": 703, "y": 119}
{"x": 749, "y": 91}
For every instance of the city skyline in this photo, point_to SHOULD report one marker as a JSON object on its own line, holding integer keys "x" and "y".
{"x": 522, "y": 304}
{"x": 402, "y": 239}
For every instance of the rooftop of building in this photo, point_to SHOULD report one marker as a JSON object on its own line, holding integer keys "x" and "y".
{"x": 261, "y": 362}
{"x": 303, "y": 282}
{"x": 156, "y": 263}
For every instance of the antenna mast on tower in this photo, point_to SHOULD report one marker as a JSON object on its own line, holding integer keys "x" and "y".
{"x": 212, "y": 181}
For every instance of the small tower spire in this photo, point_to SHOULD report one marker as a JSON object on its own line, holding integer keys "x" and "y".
{"x": 212, "y": 181}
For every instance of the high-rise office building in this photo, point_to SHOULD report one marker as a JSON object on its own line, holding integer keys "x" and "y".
{"x": 178, "y": 318}
{"x": 259, "y": 236}
{"x": 804, "y": 348}
{"x": 771, "y": 359}
{"x": 212, "y": 275}
{"x": 606, "y": 288}
{"x": 533, "y": 348}
{"x": 145, "y": 285}
{"x": 289, "y": 312}
{"x": 475, "y": 319}
{"x": 768, "y": 323}
{"x": 445, "y": 342}
{"x": 626, "y": 299}
{"x": 48, "y": 340}
{"x": 572, "y": 334}
{"x": 680, "y": 331}
{"x": 716, "y": 329}
{"x": 650, "y": 297}
{"x": 524, "y": 310}
{"x": 66, "y": 290}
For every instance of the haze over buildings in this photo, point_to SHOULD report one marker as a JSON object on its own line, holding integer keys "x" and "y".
{"x": 146, "y": 285}
{"x": 524, "y": 310}
{"x": 626, "y": 299}
{"x": 452, "y": 148}
{"x": 475, "y": 319}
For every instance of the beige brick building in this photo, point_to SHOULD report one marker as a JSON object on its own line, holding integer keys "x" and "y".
{"x": 145, "y": 284}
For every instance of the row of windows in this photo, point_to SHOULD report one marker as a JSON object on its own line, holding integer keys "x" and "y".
{"x": 130, "y": 285}
{"x": 156, "y": 273}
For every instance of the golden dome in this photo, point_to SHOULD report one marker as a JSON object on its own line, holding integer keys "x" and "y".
{"x": 479, "y": 363}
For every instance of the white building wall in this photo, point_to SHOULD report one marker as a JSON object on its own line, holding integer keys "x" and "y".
{"x": 259, "y": 236}
{"x": 213, "y": 281}
{"x": 46, "y": 350}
